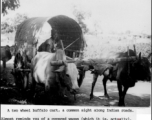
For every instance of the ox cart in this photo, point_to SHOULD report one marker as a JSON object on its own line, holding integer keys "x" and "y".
{"x": 62, "y": 33}
{"x": 67, "y": 35}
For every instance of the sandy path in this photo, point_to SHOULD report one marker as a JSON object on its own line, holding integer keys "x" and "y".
{"x": 138, "y": 96}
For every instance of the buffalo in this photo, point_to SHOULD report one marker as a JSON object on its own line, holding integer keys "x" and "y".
{"x": 6, "y": 54}
{"x": 126, "y": 73}
{"x": 20, "y": 73}
{"x": 55, "y": 78}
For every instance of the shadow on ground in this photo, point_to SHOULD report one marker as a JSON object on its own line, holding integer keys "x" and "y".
{"x": 11, "y": 95}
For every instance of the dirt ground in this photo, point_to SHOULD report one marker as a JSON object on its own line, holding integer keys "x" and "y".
{"x": 138, "y": 96}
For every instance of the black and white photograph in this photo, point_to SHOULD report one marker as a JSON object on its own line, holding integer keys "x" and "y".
{"x": 76, "y": 53}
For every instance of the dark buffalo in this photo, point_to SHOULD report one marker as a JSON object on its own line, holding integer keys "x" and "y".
{"x": 23, "y": 57}
{"x": 20, "y": 73}
{"x": 6, "y": 53}
{"x": 125, "y": 73}
{"x": 54, "y": 78}
{"x": 82, "y": 70}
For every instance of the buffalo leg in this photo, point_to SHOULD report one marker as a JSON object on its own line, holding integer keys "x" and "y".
{"x": 82, "y": 75}
{"x": 105, "y": 89}
{"x": 52, "y": 92}
{"x": 25, "y": 80}
{"x": 47, "y": 94}
{"x": 33, "y": 85}
{"x": 26, "y": 85}
{"x": 4, "y": 64}
{"x": 123, "y": 95}
{"x": 95, "y": 76}
{"x": 61, "y": 92}
{"x": 119, "y": 85}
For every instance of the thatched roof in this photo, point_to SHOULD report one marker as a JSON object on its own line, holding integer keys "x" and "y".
{"x": 67, "y": 30}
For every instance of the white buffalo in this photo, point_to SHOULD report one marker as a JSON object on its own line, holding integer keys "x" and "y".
{"x": 55, "y": 78}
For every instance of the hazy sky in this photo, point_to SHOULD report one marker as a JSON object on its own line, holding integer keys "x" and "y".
{"x": 110, "y": 15}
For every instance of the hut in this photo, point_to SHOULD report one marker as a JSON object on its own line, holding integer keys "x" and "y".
{"x": 62, "y": 28}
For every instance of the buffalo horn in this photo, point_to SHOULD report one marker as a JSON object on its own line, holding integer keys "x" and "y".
{"x": 135, "y": 49}
{"x": 140, "y": 56}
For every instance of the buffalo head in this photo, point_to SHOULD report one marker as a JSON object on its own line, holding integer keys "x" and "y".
{"x": 141, "y": 68}
{"x": 68, "y": 75}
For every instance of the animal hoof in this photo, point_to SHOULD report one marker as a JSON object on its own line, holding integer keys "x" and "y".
{"x": 121, "y": 104}
{"x": 107, "y": 96}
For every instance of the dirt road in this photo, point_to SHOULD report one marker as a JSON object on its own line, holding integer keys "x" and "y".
{"x": 138, "y": 96}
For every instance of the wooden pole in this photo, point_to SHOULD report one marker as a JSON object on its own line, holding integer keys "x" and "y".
{"x": 62, "y": 45}
{"x": 71, "y": 43}
{"x": 128, "y": 61}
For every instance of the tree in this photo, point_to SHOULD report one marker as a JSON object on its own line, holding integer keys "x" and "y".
{"x": 19, "y": 18}
{"x": 9, "y": 4}
{"x": 81, "y": 16}
{"x": 6, "y": 28}
{"x": 11, "y": 24}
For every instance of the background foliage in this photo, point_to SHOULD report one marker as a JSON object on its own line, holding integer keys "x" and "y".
{"x": 9, "y": 4}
